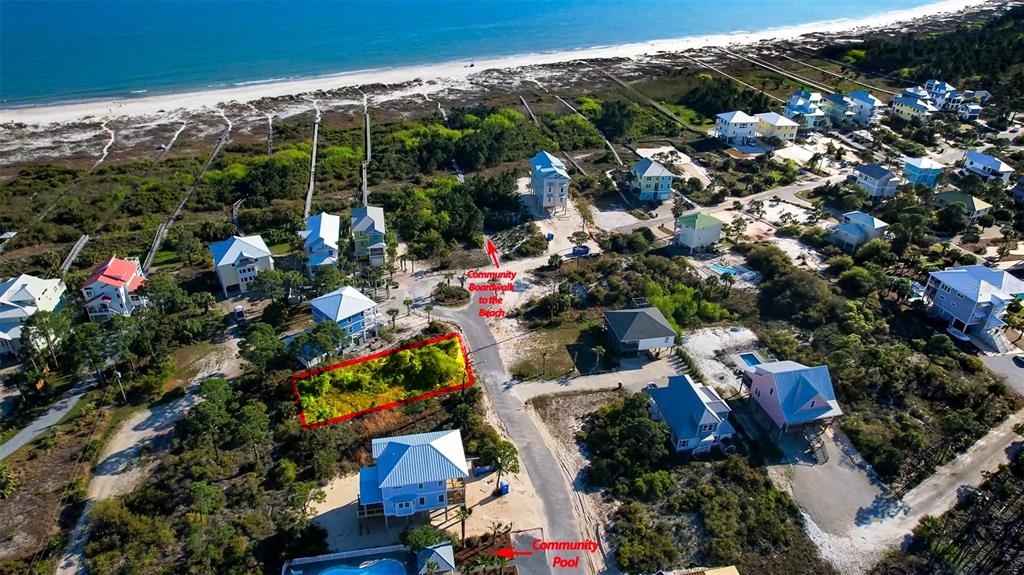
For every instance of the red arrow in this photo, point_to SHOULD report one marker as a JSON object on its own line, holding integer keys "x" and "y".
{"x": 510, "y": 554}
{"x": 493, "y": 252}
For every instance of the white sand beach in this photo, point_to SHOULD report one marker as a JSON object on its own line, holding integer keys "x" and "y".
{"x": 438, "y": 77}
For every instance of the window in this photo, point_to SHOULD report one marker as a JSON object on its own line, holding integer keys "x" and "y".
{"x": 440, "y": 498}
{"x": 423, "y": 501}
{"x": 707, "y": 427}
{"x": 757, "y": 392}
{"x": 405, "y": 505}
{"x": 945, "y": 288}
{"x": 440, "y": 483}
{"x": 812, "y": 402}
{"x": 683, "y": 442}
{"x": 771, "y": 391}
{"x": 419, "y": 486}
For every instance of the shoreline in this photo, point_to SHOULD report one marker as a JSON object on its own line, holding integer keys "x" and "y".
{"x": 437, "y": 77}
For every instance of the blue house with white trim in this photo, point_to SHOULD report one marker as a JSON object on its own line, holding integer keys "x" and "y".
{"x": 413, "y": 474}
{"x": 922, "y": 171}
{"x": 696, "y": 414}
{"x": 320, "y": 240}
{"x": 357, "y": 314}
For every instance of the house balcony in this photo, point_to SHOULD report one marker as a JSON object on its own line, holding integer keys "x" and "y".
{"x": 456, "y": 491}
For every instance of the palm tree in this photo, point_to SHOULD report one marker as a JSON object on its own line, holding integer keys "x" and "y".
{"x": 599, "y": 351}
{"x": 463, "y": 514}
{"x": 392, "y": 313}
{"x": 448, "y": 278}
{"x": 407, "y": 302}
{"x": 428, "y": 308}
{"x": 462, "y": 281}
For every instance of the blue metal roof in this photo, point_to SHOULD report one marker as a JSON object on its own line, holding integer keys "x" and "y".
{"x": 799, "y": 385}
{"x": 441, "y": 553}
{"x": 419, "y": 458}
{"x": 684, "y": 405}
{"x": 369, "y": 490}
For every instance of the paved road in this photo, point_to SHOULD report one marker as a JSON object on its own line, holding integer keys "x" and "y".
{"x": 540, "y": 464}
{"x": 44, "y": 422}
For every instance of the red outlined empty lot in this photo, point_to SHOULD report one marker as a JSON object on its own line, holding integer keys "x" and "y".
{"x": 321, "y": 421}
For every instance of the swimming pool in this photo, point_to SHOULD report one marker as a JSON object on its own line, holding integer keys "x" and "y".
{"x": 721, "y": 269}
{"x": 750, "y": 358}
{"x": 378, "y": 567}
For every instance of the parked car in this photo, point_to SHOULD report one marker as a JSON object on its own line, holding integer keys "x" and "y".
{"x": 240, "y": 314}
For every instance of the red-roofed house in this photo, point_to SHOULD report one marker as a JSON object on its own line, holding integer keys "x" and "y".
{"x": 113, "y": 289}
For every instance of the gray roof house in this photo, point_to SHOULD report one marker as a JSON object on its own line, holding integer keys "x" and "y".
{"x": 631, "y": 331}
{"x": 696, "y": 414}
{"x": 856, "y": 229}
{"x": 793, "y": 395}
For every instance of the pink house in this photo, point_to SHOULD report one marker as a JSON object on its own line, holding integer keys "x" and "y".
{"x": 793, "y": 395}
{"x": 113, "y": 289}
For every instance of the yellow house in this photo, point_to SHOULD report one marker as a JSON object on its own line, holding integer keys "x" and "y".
{"x": 771, "y": 124}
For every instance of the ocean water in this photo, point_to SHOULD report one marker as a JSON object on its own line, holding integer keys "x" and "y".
{"x": 68, "y": 50}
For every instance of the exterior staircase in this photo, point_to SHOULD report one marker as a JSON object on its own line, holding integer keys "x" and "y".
{"x": 817, "y": 442}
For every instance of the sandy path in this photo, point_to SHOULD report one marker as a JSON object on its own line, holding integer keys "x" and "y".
{"x": 134, "y": 449}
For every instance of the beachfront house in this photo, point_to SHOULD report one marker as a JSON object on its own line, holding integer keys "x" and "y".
{"x": 973, "y": 299}
{"x": 369, "y": 235}
{"x": 631, "y": 331}
{"x": 735, "y": 128}
{"x": 969, "y": 111}
{"x": 773, "y": 125}
{"x": 922, "y": 171}
{"x": 696, "y": 414}
{"x": 974, "y": 208}
{"x": 855, "y": 230}
{"x": 697, "y": 232}
{"x": 913, "y": 104}
{"x": 792, "y": 395}
{"x": 839, "y": 108}
{"x": 113, "y": 289}
{"x": 357, "y": 314}
{"x": 804, "y": 108}
{"x": 989, "y": 168}
{"x": 549, "y": 180}
{"x": 879, "y": 181}
{"x": 651, "y": 181}
{"x": 413, "y": 474}
{"x": 867, "y": 109}
{"x": 20, "y": 298}
{"x": 945, "y": 96}
{"x": 320, "y": 241}
{"x": 237, "y": 260}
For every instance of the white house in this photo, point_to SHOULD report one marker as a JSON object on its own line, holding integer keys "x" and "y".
{"x": 696, "y": 414}
{"x": 969, "y": 111}
{"x": 867, "y": 109}
{"x": 20, "y": 298}
{"x": 412, "y": 474}
{"x": 631, "y": 331}
{"x": 320, "y": 240}
{"x": 772, "y": 125}
{"x": 857, "y": 229}
{"x": 735, "y": 128}
{"x": 651, "y": 181}
{"x": 879, "y": 181}
{"x": 988, "y": 167}
{"x": 840, "y": 109}
{"x": 113, "y": 289}
{"x": 549, "y": 180}
{"x": 793, "y": 395}
{"x": 805, "y": 108}
{"x": 944, "y": 95}
{"x": 357, "y": 314}
{"x": 237, "y": 260}
{"x": 697, "y": 232}
{"x": 369, "y": 235}
{"x": 973, "y": 299}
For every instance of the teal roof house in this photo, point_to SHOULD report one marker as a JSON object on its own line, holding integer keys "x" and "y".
{"x": 696, "y": 414}
{"x": 413, "y": 474}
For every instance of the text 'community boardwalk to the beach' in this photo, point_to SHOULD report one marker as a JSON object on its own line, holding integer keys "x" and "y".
{"x": 384, "y": 380}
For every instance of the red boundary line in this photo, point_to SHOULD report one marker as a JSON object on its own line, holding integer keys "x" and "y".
{"x": 303, "y": 375}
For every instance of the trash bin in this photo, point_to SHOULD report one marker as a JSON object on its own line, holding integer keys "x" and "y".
{"x": 551, "y": 237}
{"x": 503, "y": 488}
